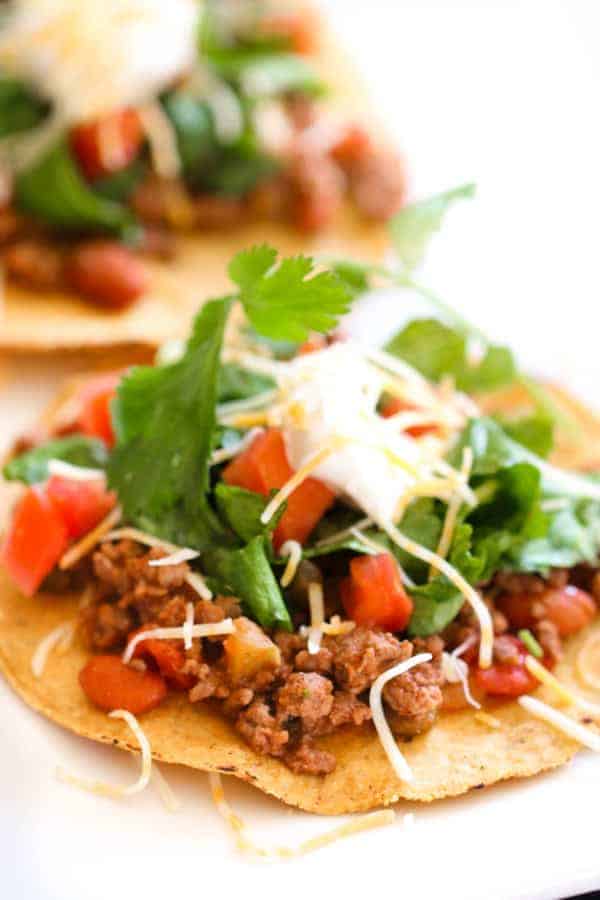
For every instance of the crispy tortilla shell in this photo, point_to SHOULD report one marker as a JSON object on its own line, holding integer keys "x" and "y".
{"x": 459, "y": 753}
{"x": 40, "y": 321}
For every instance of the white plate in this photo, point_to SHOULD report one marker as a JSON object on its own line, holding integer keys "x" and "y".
{"x": 506, "y": 93}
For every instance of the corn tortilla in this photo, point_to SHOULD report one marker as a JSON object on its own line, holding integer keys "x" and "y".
{"x": 38, "y": 321}
{"x": 458, "y": 754}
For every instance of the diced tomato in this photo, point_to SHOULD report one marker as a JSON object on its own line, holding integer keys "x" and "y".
{"x": 122, "y": 135}
{"x": 298, "y": 28}
{"x": 312, "y": 344}
{"x": 110, "y": 684}
{"x": 374, "y": 595}
{"x": 397, "y": 405}
{"x": 82, "y": 504}
{"x": 167, "y": 656}
{"x": 264, "y": 467}
{"x": 36, "y": 539}
{"x": 507, "y": 679}
{"x": 95, "y": 397}
{"x": 352, "y": 147}
{"x": 569, "y": 608}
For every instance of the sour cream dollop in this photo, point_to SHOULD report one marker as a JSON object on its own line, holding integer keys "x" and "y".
{"x": 89, "y": 58}
{"x": 333, "y": 394}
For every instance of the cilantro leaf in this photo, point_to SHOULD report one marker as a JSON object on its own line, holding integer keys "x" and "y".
{"x": 165, "y": 421}
{"x": 413, "y": 226}
{"x": 237, "y": 383}
{"x": 247, "y": 573}
{"x": 535, "y": 432}
{"x": 242, "y": 509}
{"x": 288, "y": 300}
{"x": 32, "y": 466}
{"x": 435, "y": 350}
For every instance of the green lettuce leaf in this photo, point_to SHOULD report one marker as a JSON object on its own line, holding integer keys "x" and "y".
{"x": 32, "y": 467}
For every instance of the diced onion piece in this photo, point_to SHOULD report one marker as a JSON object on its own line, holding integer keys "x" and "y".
{"x": 397, "y": 761}
{"x": 75, "y": 473}
{"x": 293, "y": 551}
{"x": 112, "y": 790}
{"x": 173, "y": 559}
{"x": 561, "y": 722}
{"x": 469, "y": 593}
{"x": 246, "y": 844}
{"x": 564, "y": 693}
{"x": 179, "y": 632}
{"x": 62, "y": 634}
{"x": 587, "y": 662}
{"x": 89, "y": 540}
{"x": 296, "y": 480}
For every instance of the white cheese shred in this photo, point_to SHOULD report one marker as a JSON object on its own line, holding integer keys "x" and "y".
{"x": 168, "y": 798}
{"x": 293, "y": 551}
{"x": 317, "y": 617}
{"x": 173, "y": 559}
{"x": 198, "y": 584}
{"x": 246, "y": 844}
{"x": 188, "y": 626}
{"x": 106, "y": 789}
{"x": 75, "y": 473}
{"x": 564, "y": 694}
{"x": 455, "y": 578}
{"x": 561, "y": 722}
{"x": 162, "y": 138}
{"x": 179, "y": 632}
{"x": 586, "y": 663}
{"x": 388, "y": 741}
{"x": 453, "y": 509}
{"x": 89, "y": 541}
{"x": 61, "y": 636}
{"x": 456, "y": 670}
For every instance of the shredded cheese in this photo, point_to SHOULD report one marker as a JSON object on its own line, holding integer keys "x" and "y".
{"x": 246, "y": 844}
{"x": 561, "y": 722}
{"x": 225, "y": 453}
{"x": 453, "y": 509}
{"x": 563, "y": 693}
{"x": 89, "y": 541}
{"x": 173, "y": 559}
{"x": 296, "y": 480}
{"x": 487, "y": 719}
{"x": 456, "y": 670}
{"x": 197, "y": 583}
{"x": 388, "y": 741}
{"x": 179, "y": 632}
{"x": 165, "y": 792}
{"x": 293, "y": 551}
{"x": 162, "y": 139}
{"x": 75, "y": 473}
{"x": 345, "y": 532}
{"x": 469, "y": 593}
{"x": 188, "y": 626}
{"x": 586, "y": 663}
{"x": 337, "y": 627}
{"x": 105, "y": 789}
{"x": 317, "y": 617}
{"x": 61, "y": 636}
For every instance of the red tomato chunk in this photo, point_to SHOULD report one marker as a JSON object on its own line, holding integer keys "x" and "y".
{"x": 110, "y": 684}
{"x": 374, "y": 595}
{"x": 82, "y": 504}
{"x": 107, "y": 145}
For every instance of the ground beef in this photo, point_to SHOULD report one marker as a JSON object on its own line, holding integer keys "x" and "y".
{"x": 378, "y": 184}
{"x": 261, "y": 729}
{"x": 346, "y": 709}
{"x": 321, "y": 662}
{"x": 106, "y": 626}
{"x": 317, "y": 189}
{"x": 362, "y": 654}
{"x": 306, "y": 696}
{"x": 549, "y": 639}
{"x": 515, "y": 583}
{"x": 415, "y": 697}
{"x": 307, "y": 759}
{"x": 34, "y": 263}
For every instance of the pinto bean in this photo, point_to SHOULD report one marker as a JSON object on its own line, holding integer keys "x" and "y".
{"x": 107, "y": 273}
{"x": 109, "y": 684}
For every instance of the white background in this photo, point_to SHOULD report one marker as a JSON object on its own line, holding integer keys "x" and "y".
{"x": 505, "y": 94}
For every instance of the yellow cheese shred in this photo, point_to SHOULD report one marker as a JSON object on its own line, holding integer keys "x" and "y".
{"x": 453, "y": 509}
{"x": 179, "y": 632}
{"x": 564, "y": 694}
{"x": 487, "y": 719}
{"x": 293, "y": 551}
{"x": 246, "y": 844}
{"x": 296, "y": 480}
{"x": 89, "y": 541}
